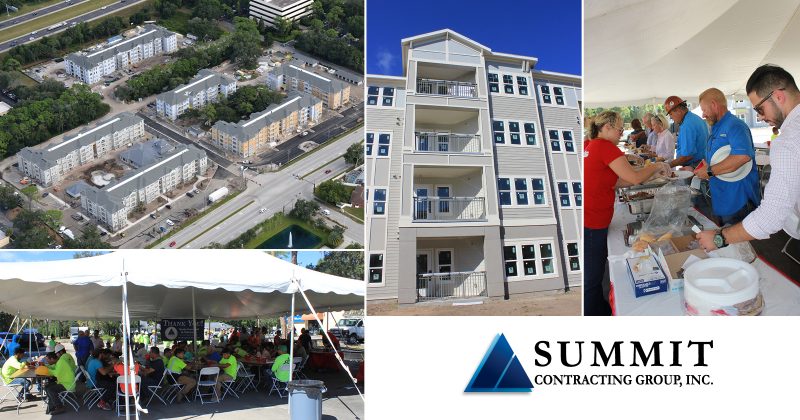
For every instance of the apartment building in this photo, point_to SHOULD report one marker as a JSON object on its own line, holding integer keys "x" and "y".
{"x": 473, "y": 174}
{"x": 269, "y": 10}
{"x": 294, "y": 76}
{"x": 112, "y": 204}
{"x": 206, "y": 87}
{"x": 90, "y": 66}
{"x": 251, "y": 136}
{"x": 49, "y": 165}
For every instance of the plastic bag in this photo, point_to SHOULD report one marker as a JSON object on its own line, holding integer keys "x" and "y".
{"x": 670, "y": 210}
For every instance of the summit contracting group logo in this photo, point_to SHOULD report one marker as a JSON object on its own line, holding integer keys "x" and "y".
{"x": 500, "y": 370}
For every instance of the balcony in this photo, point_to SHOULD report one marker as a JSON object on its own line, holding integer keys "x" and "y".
{"x": 449, "y": 209}
{"x": 446, "y": 142}
{"x": 455, "y": 285}
{"x": 447, "y": 88}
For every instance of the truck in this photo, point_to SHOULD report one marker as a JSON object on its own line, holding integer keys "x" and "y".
{"x": 350, "y": 329}
{"x": 68, "y": 233}
{"x": 216, "y": 195}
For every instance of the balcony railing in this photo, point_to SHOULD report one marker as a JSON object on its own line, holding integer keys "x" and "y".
{"x": 439, "y": 286}
{"x": 438, "y": 209}
{"x": 447, "y": 142}
{"x": 447, "y": 88}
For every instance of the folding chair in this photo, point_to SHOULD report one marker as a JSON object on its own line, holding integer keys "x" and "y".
{"x": 207, "y": 379}
{"x": 164, "y": 384}
{"x": 229, "y": 385}
{"x": 70, "y": 397}
{"x": 11, "y": 389}
{"x": 296, "y": 362}
{"x": 245, "y": 378}
{"x": 93, "y": 393}
{"x": 123, "y": 390}
{"x": 300, "y": 366}
{"x": 175, "y": 387}
{"x": 276, "y": 383}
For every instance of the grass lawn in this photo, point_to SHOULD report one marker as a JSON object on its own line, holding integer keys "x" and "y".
{"x": 279, "y": 223}
{"x": 358, "y": 213}
{"x": 22, "y": 79}
{"x": 179, "y": 22}
{"x": 26, "y": 8}
{"x": 52, "y": 18}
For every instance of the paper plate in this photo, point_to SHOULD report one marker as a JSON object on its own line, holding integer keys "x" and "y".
{"x": 736, "y": 175}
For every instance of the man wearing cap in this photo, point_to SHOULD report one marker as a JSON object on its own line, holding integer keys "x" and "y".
{"x": 731, "y": 199}
{"x": 692, "y": 134}
{"x": 61, "y": 352}
{"x": 775, "y": 97}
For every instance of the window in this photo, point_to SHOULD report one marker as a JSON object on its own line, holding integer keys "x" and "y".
{"x": 528, "y": 260}
{"x": 376, "y": 268}
{"x": 388, "y": 96}
{"x": 504, "y": 187}
{"x": 546, "y": 253}
{"x": 555, "y": 143}
{"x": 494, "y": 86}
{"x": 513, "y": 128}
{"x": 569, "y": 146}
{"x": 530, "y": 134}
{"x": 508, "y": 84}
{"x": 559, "y": 94}
{"x": 537, "y": 186}
{"x": 522, "y": 85}
{"x": 546, "y": 94}
{"x": 379, "y": 202}
{"x": 577, "y": 191}
{"x": 372, "y": 95}
{"x": 521, "y": 190}
{"x": 574, "y": 257}
{"x": 370, "y": 140}
{"x": 563, "y": 193}
{"x": 383, "y": 144}
{"x": 570, "y": 198}
{"x": 510, "y": 257}
{"x": 498, "y": 127}
{"x": 444, "y": 259}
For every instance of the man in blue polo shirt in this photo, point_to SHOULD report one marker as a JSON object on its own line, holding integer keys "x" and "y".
{"x": 692, "y": 135}
{"x": 730, "y": 200}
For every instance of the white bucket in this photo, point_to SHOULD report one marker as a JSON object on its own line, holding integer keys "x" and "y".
{"x": 722, "y": 286}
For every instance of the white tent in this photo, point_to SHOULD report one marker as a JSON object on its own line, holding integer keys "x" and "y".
{"x": 642, "y": 51}
{"x": 150, "y": 284}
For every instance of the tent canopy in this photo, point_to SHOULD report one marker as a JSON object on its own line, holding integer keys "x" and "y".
{"x": 228, "y": 285}
{"x": 642, "y": 51}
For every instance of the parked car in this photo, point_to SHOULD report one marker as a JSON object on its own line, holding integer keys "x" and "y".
{"x": 152, "y": 215}
{"x": 326, "y": 212}
{"x": 169, "y": 207}
{"x": 172, "y": 244}
{"x": 327, "y": 171}
{"x": 190, "y": 194}
{"x": 45, "y": 194}
{"x": 77, "y": 217}
{"x": 350, "y": 329}
{"x": 170, "y": 223}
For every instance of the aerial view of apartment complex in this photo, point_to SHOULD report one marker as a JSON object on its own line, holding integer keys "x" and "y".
{"x": 253, "y": 135}
{"x": 204, "y": 88}
{"x": 90, "y": 66}
{"x": 473, "y": 174}
{"x": 291, "y": 76}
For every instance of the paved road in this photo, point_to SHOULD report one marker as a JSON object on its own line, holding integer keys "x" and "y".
{"x": 37, "y": 13}
{"x": 94, "y": 14}
{"x": 276, "y": 191}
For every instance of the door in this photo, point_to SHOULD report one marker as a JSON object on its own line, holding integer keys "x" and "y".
{"x": 423, "y": 142}
{"x": 422, "y": 203}
{"x": 424, "y": 266}
{"x": 443, "y": 193}
{"x": 443, "y": 142}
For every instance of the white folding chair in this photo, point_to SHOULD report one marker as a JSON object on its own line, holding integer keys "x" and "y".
{"x": 175, "y": 386}
{"x": 11, "y": 389}
{"x": 93, "y": 393}
{"x": 207, "y": 379}
{"x": 277, "y": 384}
{"x": 300, "y": 366}
{"x": 164, "y": 385}
{"x": 228, "y": 385}
{"x": 123, "y": 391}
{"x": 69, "y": 397}
{"x": 245, "y": 378}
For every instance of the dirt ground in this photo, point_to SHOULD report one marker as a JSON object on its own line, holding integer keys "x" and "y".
{"x": 550, "y": 304}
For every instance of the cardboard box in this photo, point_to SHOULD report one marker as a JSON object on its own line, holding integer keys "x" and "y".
{"x": 646, "y": 275}
{"x": 674, "y": 262}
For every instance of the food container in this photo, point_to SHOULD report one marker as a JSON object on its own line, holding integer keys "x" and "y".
{"x": 682, "y": 177}
{"x": 722, "y": 286}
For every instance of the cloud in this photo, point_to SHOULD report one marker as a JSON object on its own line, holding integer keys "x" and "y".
{"x": 385, "y": 60}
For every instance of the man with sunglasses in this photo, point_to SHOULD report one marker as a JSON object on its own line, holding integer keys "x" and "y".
{"x": 775, "y": 98}
{"x": 692, "y": 134}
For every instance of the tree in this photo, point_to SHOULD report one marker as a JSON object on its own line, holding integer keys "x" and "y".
{"x": 304, "y": 209}
{"x": 8, "y": 198}
{"x": 245, "y": 44}
{"x": 355, "y": 154}
{"x": 336, "y": 237}
{"x": 208, "y": 9}
{"x": 343, "y": 264}
{"x": 283, "y": 27}
{"x": 333, "y": 192}
{"x": 203, "y": 29}
{"x": 11, "y": 64}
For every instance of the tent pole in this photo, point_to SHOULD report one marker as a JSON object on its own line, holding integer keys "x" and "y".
{"x": 194, "y": 324}
{"x": 10, "y": 328}
{"x": 291, "y": 343}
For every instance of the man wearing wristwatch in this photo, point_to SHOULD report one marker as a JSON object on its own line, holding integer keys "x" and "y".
{"x": 776, "y": 99}
{"x": 731, "y": 201}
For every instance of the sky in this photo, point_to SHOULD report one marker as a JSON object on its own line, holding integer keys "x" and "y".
{"x": 303, "y": 257}
{"x": 547, "y": 30}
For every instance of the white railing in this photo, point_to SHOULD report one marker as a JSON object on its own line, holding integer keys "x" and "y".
{"x": 447, "y": 88}
{"x": 426, "y": 141}
{"x": 438, "y": 209}
{"x": 438, "y": 286}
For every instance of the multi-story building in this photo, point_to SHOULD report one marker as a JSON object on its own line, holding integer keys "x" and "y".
{"x": 204, "y": 88}
{"x": 99, "y": 61}
{"x": 292, "y": 76}
{"x": 269, "y": 10}
{"x": 473, "y": 175}
{"x": 253, "y": 135}
{"x": 50, "y": 164}
{"x": 112, "y": 204}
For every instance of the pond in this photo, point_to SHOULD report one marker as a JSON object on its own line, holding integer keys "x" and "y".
{"x": 301, "y": 239}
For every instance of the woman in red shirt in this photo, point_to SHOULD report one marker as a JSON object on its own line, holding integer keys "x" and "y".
{"x": 605, "y": 168}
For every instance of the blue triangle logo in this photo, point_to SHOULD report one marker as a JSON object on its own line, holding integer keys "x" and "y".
{"x": 500, "y": 370}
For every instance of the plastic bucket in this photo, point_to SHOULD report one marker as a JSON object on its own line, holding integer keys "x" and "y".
{"x": 305, "y": 399}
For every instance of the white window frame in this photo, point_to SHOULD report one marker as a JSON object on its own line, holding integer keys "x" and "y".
{"x": 536, "y": 242}
{"x": 379, "y": 104}
{"x": 567, "y": 257}
{"x": 523, "y": 140}
{"x": 529, "y": 190}
{"x": 382, "y": 268}
{"x": 514, "y": 84}
{"x": 371, "y": 201}
{"x": 437, "y": 264}
{"x": 561, "y": 140}
{"x": 527, "y": 85}
{"x": 376, "y": 143}
{"x": 571, "y": 192}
